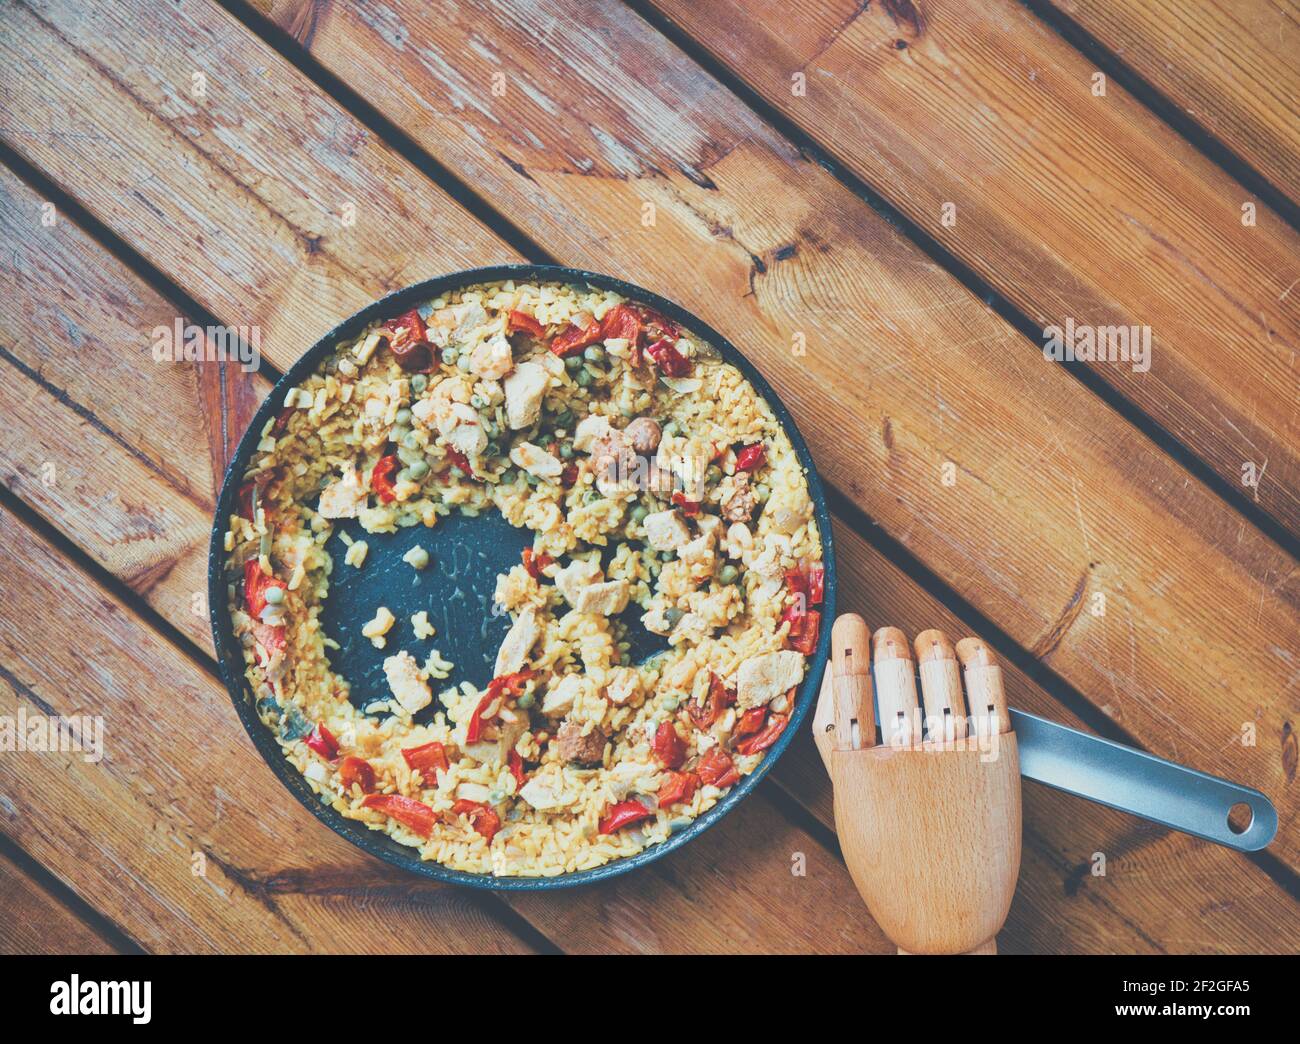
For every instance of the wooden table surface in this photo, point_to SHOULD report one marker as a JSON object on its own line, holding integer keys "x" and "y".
{"x": 882, "y": 204}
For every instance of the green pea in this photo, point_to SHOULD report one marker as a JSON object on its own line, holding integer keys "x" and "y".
{"x": 573, "y": 363}
{"x": 418, "y": 470}
{"x": 672, "y": 428}
{"x": 404, "y": 475}
{"x": 462, "y": 363}
{"x": 493, "y": 449}
{"x": 564, "y": 419}
{"x": 411, "y": 440}
{"x": 403, "y": 418}
{"x": 713, "y": 474}
{"x": 669, "y": 703}
{"x": 397, "y": 433}
{"x": 274, "y": 595}
{"x": 674, "y": 616}
{"x": 566, "y": 451}
{"x": 409, "y": 456}
{"x": 639, "y": 513}
{"x": 583, "y": 379}
{"x": 418, "y": 383}
{"x": 728, "y": 574}
{"x": 477, "y": 401}
{"x": 525, "y": 701}
{"x": 761, "y": 492}
{"x": 449, "y": 356}
{"x": 594, "y": 354}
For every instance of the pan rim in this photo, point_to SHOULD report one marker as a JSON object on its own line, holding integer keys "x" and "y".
{"x": 229, "y": 655}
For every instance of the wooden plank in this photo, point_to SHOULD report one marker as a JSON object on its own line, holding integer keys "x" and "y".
{"x": 1074, "y": 206}
{"x": 1230, "y": 67}
{"x": 617, "y": 919}
{"x": 33, "y": 921}
{"x": 1154, "y": 878}
{"x": 1057, "y": 509}
{"x": 182, "y": 835}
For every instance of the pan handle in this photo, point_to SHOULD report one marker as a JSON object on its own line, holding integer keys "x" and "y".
{"x": 1143, "y": 784}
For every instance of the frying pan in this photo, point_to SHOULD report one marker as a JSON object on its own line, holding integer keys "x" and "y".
{"x": 466, "y": 555}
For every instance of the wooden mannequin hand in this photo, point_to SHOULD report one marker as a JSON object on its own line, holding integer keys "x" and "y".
{"x": 928, "y": 812}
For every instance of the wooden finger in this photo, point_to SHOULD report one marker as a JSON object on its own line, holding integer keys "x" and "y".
{"x": 900, "y": 724}
{"x": 945, "y": 709}
{"x": 984, "y": 692}
{"x": 823, "y": 723}
{"x": 855, "y": 712}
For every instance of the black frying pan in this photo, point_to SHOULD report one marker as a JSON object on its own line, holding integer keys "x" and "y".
{"x": 466, "y": 556}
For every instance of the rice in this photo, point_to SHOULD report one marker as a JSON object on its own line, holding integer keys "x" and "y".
{"x": 699, "y": 523}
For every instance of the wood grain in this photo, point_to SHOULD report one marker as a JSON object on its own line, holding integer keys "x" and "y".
{"x": 181, "y": 834}
{"x": 34, "y": 921}
{"x": 906, "y": 376}
{"x": 1230, "y": 67}
{"x": 620, "y": 917}
{"x": 1072, "y": 205}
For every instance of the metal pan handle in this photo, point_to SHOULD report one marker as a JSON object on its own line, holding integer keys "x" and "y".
{"x": 1143, "y": 784}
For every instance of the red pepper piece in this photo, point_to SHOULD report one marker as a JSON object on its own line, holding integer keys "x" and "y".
{"x": 483, "y": 820}
{"x": 256, "y": 584}
{"x": 719, "y": 698}
{"x": 409, "y": 341}
{"x": 407, "y": 811}
{"x": 623, "y": 814}
{"x": 806, "y": 640}
{"x": 359, "y": 771}
{"x": 569, "y": 475}
{"x": 515, "y": 763}
{"x": 657, "y": 327}
{"x": 678, "y": 788}
{"x": 575, "y": 338}
{"x": 244, "y": 501}
{"x": 426, "y": 758}
{"x": 535, "y": 562}
{"x": 282, "y": 420}
{"x": 668, "y": 746}
{"x": 690, "y": 508}
{"x": 381, "y": 479}
{"x": 621, "y": 321}
{"x": 669, "y": 359}
{"x": 459, "y": 460}
{"x": 498, "y": 688}
{"x": 752, "y": 457}
{"x": 764, "y": 739}
{"x": 322, "y": 741}
{"x": 717, "y": 769}
{"x": 523, "y": 321}
{"x": 271, "y": 638}
{"x": 750, "y": 722}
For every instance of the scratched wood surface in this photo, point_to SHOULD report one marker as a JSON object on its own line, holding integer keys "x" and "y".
{"x": 164, "y": 581}
{"x": 1073, "y": 205}
{"x": 1229, "y": 66}
{"x": 751, "y": 235}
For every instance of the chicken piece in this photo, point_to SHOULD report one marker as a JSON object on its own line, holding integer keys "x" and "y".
{"x": 666, "y": 530}
{"x": 763, "y": 678}
{"x": 524, "y": 390}
{"x": 574, "y": 746}
{"x": 739, "y": 540}
{"x": 644, "y": 434}
{"x": 343, "y": 497}
{"x": 409, "y": 688}
{"x": 739, "y": 507}
{"x": 455, "y": 323}
{"x": 624, "y": 686}
{"x": 547, "y": 792}
{"x": 469, "y": 438}
{"x": 562, "y": 695}
{"x": 578, "y": 574}
{"x": 518, "y": 642}
{"x": 439, "y": 409}
{"x": 536, "y": 461}
{"x": 692, "y": 628}
{"x": 492, "y": 360}
{"x": 588, "y": 431}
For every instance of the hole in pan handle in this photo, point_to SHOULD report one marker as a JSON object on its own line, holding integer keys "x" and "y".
{"x": 1143, "y": 784}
